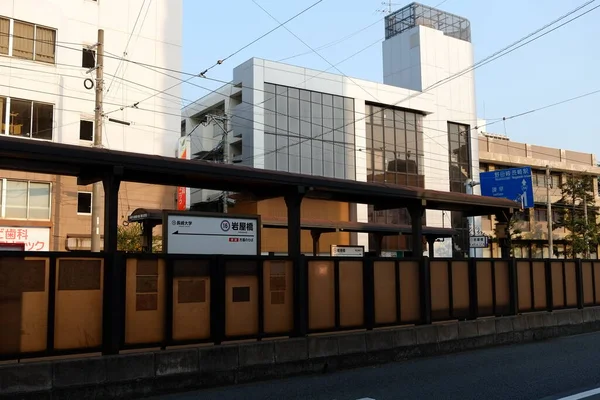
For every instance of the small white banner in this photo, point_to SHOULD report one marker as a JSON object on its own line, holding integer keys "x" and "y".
{"x": 479, "y": 242}
{"x": 347, "y": 251}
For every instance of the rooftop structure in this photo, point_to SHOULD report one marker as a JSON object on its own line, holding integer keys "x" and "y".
{"x": 418, "y": 14}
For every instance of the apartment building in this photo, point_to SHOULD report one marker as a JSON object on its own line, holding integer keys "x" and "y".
{"x": 290, "y": 118}
{"x": 498, "y": 152}
{"x": 47, "y": 78}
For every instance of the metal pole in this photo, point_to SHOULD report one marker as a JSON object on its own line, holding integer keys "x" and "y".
{"x": 575, "y": 186}
{"x": 225, "y": 140}
{"x": 549, "y": 211}
{"x": 225, "y": 159}
{"x": 470, "y": 184}
{"x": 97, "y": 189}
{"x": 585, "y": 216}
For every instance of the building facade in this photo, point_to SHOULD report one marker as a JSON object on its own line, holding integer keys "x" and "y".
{"x": 497, "y": 152}
{"x": 47, "y": 52}
{"x": 413, "y": 129}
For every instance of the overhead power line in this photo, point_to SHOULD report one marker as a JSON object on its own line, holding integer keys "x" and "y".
{"x": 221, "y": 61}
{"x": 510, "y": 48}
{"x": 347, "y": 37}
{"x": 486, "y": 60}
{"x": 129, "y": 39}
{"x": 460, "y": 73}
{"x": 366, "y": 116}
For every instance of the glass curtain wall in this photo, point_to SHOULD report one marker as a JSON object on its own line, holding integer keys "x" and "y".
{"x": 394, "y": 154}
{"x": 309, "y": 132}
{"x": 459, "y": 156}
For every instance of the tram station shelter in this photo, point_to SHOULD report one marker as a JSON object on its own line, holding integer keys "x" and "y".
{"x": 113, "y": 167}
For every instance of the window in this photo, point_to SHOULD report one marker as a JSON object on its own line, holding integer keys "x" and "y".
{"x": 86, "y": 130}
{"x": 394, "y": 154}
{"x": 23, "y": 40}
{"x": 459, "y": 167}
{"x": 557, "y": 216}
{"x": 27, "y": 118}
{"x": 29, "y": 41}
{"x": 459, "y": 155}
{"x": 521, "y": 216}
{"x": 84, "y": 203}
{"x": 41, "y": 124}
{"x": 88, "y": 59}
{"x": 25, "y": 200}
{"x": 307, "y": 132}
{"x": 45, "y": 41}
{"x": 19, "y": 118}
{"x": 541, "y": 215}
{"x": 539, "y": 179}
{"x": 4, "y": 32}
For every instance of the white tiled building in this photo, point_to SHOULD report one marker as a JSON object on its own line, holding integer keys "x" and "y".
{"x": 401, "y": 131}
{"x": 45, "y": 58}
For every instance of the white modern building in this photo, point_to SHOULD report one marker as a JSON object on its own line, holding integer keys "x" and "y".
{"x": 47, "y": 78}
{"x": 416, "y": 128}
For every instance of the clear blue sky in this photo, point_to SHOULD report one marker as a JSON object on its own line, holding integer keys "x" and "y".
{"x": 562, "y": 64}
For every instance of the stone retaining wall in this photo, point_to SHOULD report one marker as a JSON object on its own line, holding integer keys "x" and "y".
{"x": 153, "y": 373}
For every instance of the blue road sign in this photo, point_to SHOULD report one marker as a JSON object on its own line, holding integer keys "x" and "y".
{"x": 513, "y": 184}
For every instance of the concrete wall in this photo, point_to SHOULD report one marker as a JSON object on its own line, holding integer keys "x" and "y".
{"x": 507, "y": 152}
{"x": 161, "y": 372}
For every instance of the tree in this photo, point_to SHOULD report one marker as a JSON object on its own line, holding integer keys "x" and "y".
{"x": 514, "y": 230}
{"x": 577, "y": 198}
{"x": 129, "y": 239}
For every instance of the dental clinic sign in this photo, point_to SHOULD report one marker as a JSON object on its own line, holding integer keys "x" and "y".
{"x": 206, "y": 233}
{"x": 32, "y": 239}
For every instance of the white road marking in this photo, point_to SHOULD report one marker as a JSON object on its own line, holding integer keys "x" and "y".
{"x": 582, "y": 395}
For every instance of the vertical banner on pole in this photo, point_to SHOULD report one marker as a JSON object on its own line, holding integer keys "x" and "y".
{"x": 183, "y": 193}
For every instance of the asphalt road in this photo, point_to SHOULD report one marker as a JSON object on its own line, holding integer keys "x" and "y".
{"x": 562, "y": 368}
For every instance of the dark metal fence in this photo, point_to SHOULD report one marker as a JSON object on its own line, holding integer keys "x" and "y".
{"x": 68, "y": 303}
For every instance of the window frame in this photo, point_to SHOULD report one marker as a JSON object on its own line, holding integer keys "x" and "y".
{"x": 11, "y": 30}
{"x": 460, "y": 135}
{"x": 540, "y": 212}
{"x": 3, "y": 196}
{"x": 8, "y": 46}
{"x": 93, "y": 130}
{"x": 7, "y": 111}
{"x": 83, "y": 57}
{"x": 91, "y": 202}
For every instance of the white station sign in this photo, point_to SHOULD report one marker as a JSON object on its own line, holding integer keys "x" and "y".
{"x": 207, "y": 234}
{"x": 479, "y": 242}
{"x": 347, "y": 251}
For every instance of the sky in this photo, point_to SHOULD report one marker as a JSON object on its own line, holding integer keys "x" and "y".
{"x": 560, "y": 65}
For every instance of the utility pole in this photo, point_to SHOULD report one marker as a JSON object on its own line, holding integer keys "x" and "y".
{"x": 97, "y": 189}
{"x": 549, "y": 211}
{"x": 221, "y": 122}
{"x": 585, "y": 216}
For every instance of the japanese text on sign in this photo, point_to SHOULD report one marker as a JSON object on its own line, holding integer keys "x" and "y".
{"x": 33, "y": 239}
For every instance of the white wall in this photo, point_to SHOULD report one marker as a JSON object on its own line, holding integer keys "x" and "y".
{"x": 419, "y": 58}
{"x": 432, "y": 57}
{"x": 156, "y": 124}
